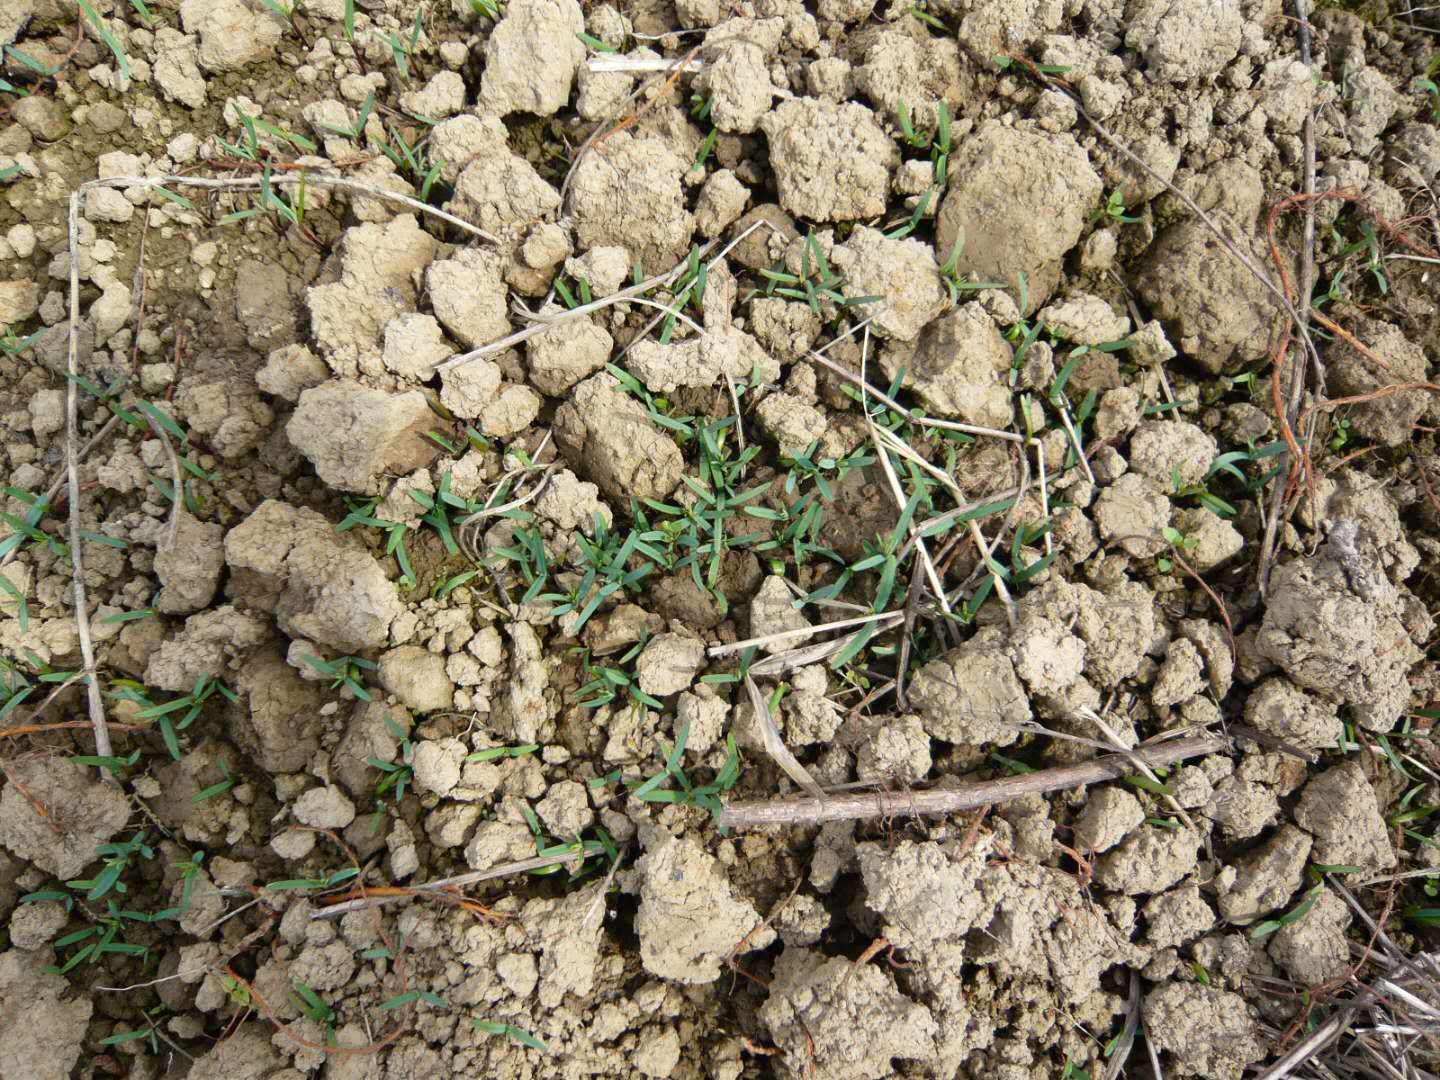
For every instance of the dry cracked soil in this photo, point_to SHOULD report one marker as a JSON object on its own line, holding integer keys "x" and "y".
{"x": 460, "y": 456}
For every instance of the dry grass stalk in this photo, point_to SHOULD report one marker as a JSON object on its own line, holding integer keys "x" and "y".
{"x": 752, "y": 813}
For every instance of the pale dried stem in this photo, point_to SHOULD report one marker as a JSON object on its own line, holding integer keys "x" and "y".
{"x": 880, "y": 804}
{"x": 95, "y": 703}
{"x": 923, "y": 421}
{"x": 54, "y": 489}
{"x": 460, "y": 881}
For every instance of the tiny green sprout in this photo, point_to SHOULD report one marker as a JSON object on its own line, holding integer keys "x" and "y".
{"x": 1342, "y": 434}
{"x": 707, "y": 147}
{"x": 493, "y": 752}
{"x": 595, "y": 43}
{"x": 955, "y": 282}
{"x": 111, "y": 764}
{"x": 224, "y": 784}
{"x": 1114, "y": 210}
{"x": 1269, "y": 926}
{"x": 314, "y": 1008}
{"x": 339, "y": 877}
{"x": 492, "y": 10}
{"x": 916, "y": 216}
{"x": 1178, "y": 542}
{"x": 919, "y": 140}
{"x": 286, "y": 15}
{"x": 395, "y": 774}
{"x": 402, "y": 49}
{"x": 44, "y": 70}
{"x": 116, "y": 857}
{"x": 928, "y": 19}
{"x": 111, "y": 41}
{"x": 410, "y": 996}
{"x": 510, "y": 1031}
{"x": 1005, "y": 63}
{"x": 11, "y": 345}
{"x": 349, "y": 23}
{"x": 1427, "y": 83}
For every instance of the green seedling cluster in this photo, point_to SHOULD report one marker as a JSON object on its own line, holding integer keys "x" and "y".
{"x": 1113, "y": 209}
{"x": 659, "y": 789}
{"x": 346, "y": 671}
{"x": 176, "y": 715}
{"x": 606, "y": 682}
{"x": 510, "y": 1031}
{"x": 600, "y": 845}
{"x": 937, "y": 143}
{"x": 394, "y": 774}
{"x": 815, "y": 282}
{"x": 105, "y": 933}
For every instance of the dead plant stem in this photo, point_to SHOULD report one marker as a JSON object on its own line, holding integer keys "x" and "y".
{"x": 788, "y": 812}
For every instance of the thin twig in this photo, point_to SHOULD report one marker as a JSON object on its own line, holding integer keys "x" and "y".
{"x": 759, "y": 812}
{"x": 334, "y": 911}
{"x": 77, "y": 540}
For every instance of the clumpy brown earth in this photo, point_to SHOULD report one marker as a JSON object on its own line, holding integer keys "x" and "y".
{"x": 396, "y": 568}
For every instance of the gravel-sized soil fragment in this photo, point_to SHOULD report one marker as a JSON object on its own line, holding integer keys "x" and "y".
{"x": 1109, "y": 815}
{"x": 1334, "y": 625}
{"x": 231, "y": 33}
{"x": 417, "y": 678}
{"x": 279, "y": 723}
{"x": 689, "y": 920}
{"x": 80, "y": 812}
{"x": 773, "y": 611}
{"x": 189, "y": 571}
{"x": 1133, "y": 513}
{"x": 562, "y": 355}
{"x": 922, "y": 894}
{"x": 669, "y": 664}
{"x": 902, "y": 273}
{"x": 609, "y": 436}
{"x": 959, "y": 367}
{"x": 1340, "y": 809}
{"x": 355, "y": 435}
{"x": 501, "y": 190}
{"x": 1305, "y": 721}
{"x": 831, "y": 162}
{"x": 1313, "y": 949}
{"x": 1149, "y": 860}
{"x": 1181, "y": 40}
{"x": 1391, "y": 418}
{"x": 568, "y": 933}
{"x": 971, "y": 695}
{"x": 847, "y": 1021}
{"x": 1160, "y": 449}
{"x": 377, "y": 268}
{"x": 1207, "y": 1032}
{"x": 1177, "y": 917}
{"x": 323, "y": 586}
{"x": 1020, "y": 200}
{"x": 531, "y": 58}
{"x": 628, "y": 192}
{"x": 41, "y": 1034}
{"x": 1265, "y": 879}
{"x": 1216, "y": 313}
{"x": 468, "y": 294}
{"x": 701, "y": 361}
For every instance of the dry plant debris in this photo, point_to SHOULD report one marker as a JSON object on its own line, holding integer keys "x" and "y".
{"x": 597, "y": 539}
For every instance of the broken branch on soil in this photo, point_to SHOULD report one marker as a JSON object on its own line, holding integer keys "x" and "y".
{"x": 752, "y": 813}
{"x": 443, "y": 885}
{"x": 93, "y": 699}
